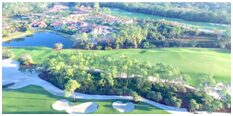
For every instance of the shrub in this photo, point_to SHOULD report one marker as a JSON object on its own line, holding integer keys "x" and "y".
{"x": 118, "y": 92}
{"x": 173, "y": 88}
{"x": 6, "y": 53}
{"x": 98, "y": 47}
{"x": 167, "y": 101}
{"x": 177, "y": 103}
{"x": 108, "y": 48}
{"x": 136, "y": 98}
{"x": 25, "y": 59}
{"x": 169, "y": 93}
{"x": 26, "y": 63}
{"x": 193, "y": 105}
{"x": 125, "y": 91}
{"x": 155, "y": 96}
{"x": 173, "y": 101}
{"x": 150, "y": 94}
{"x": 227, "y": 101}
{"x": 146, "y": 45}
{"x": 58, "y": 46}
{"x": 214, "y": 106}
{"x": 182, "y": 89}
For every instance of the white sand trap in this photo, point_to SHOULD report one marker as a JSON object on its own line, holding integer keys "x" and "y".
{"x": 84, "y": 108}
{"x": 60, "y": 105}
{"x": 123, "y": 107}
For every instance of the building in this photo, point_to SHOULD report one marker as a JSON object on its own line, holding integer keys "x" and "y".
{"x": 6, "y": 27}
{"x": 57, "y": 25}
{"x": 81, "y": 24}
{"x": 58, "y": 8}
{"x": 72, "y": 27}
{"x": 101, "y": 30}
{"x": 40, "y": 23}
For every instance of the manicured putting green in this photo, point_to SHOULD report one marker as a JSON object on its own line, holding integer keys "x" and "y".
{"x": 36, "y": 100}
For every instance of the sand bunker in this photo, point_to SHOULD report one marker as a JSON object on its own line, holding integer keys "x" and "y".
{"x": 84, "y": 108}
{"x": 60, "y": 105}
{"x": 123, "y": 107}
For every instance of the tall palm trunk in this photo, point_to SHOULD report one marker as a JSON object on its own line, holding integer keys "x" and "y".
{"x": 73, "y": 97}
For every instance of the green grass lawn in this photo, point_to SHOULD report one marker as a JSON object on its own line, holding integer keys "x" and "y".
{"x": 36, "y": 100}
{"x": 203, "y": 25}
{"x": 16, "y": 35}
{"x": 193, "y": 61}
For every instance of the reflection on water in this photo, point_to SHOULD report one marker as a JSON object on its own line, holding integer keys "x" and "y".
{"x": 31, "y": 35}
{"x": 46, "y": 39}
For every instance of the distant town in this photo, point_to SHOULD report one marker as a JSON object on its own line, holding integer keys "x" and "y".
{"x": 80, "y": 20}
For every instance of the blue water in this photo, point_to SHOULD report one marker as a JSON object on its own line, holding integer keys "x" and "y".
{"x": 45, "y": 39}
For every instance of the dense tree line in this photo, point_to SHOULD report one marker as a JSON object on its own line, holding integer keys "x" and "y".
{"x": 22, "y": 8}
{"x": 153, "y": 34}
{"x": 141, "y": 34}
{"x": 203, "y": 12}
{"x": 95, "y": 74}
{"x": 15, "y": 27}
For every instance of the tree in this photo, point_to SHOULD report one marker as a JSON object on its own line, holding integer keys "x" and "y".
{"x": 223, "y": 92}
{"x": 150, "y": 94}
{"x": 214, "y": 106}
{"x": 106, "y": 80}
{"x": 26, "y": 63}
{"x": 84, "y": 37}
{"x": 213, "y": 13}
{"x": 77, "y": 5}
{"x": 206, "y": 99}
{"x": 206, "y": 80}
{"x": 70, "y": 88}
{"x": 136, "y": 98}
{"x": 58, "y": 46}
{"x": 193, "y": 105}
{"x": 106, "y": 10}
{"x": 96, "y": 7}
{"x": 107, "y": 48}
{"x": 25, "y": 59}
{"x": 156, "y": 96}
{"x": 227, "y": 101}
{"x": 102, "y": 82}
{"x": 98, "y": 47}
{"x": 6, "y": 53}
{"x": 146, "y": 45}
{"x": 173, "y": 101}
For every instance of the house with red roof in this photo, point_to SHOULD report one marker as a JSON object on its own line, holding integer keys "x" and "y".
{"x": 58, "y": 8}
{"x": 40, "y": 24}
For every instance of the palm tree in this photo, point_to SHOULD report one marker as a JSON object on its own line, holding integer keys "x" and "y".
{"x": 70, "y": 88}
{"x": 58, "y": 46}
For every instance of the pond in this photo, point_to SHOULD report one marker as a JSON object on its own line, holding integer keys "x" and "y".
{"x": 45, "y": 39}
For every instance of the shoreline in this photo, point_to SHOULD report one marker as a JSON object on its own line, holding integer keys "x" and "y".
{"x": 17, "y": 35}
{"x": 23, "y": 34}
{"x": 58, "y": 33}
{"x": 67, "y": 36}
